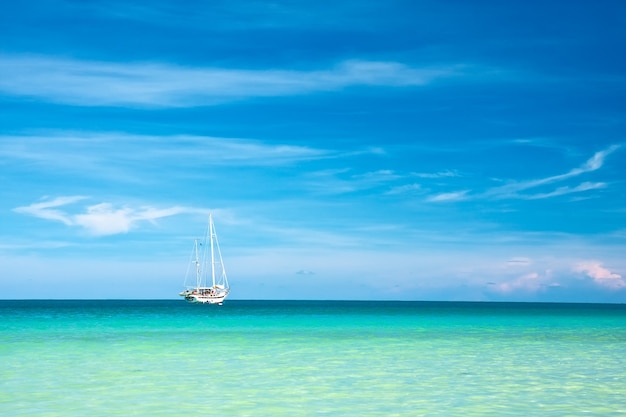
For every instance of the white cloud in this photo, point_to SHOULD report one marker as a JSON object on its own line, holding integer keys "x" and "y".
{"x": 99, "y": 219}
{"x": 600, "y": 275}
{"x": 103, "y": 219}
{"x": 528, "y": 278}
{"x": 453, "y": 196}
{"x": 556, "y": 274}
{"x": 93, "y": 83}
{"x": 530, "y": 282}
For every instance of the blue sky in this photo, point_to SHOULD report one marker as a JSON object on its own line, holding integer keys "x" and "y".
{"x": 398, "y": 150}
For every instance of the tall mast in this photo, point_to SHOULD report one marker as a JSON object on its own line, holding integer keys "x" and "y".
{"x": 212, "y": 232}
{"x": 197, "y": 264}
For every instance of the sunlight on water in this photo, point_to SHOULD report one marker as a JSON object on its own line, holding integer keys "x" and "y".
{"x": 345, "y": 359}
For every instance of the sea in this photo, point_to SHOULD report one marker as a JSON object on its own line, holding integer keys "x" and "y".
{"x": 311, "y": 358}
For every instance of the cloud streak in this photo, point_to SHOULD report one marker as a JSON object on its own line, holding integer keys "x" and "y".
{"x": 48, "y": 209}
{"x": 100, "y": 219}
{"x": 96, "y": 153}
{"x": 92, "y": 83}
{"x": 452, "y": 196}
{"x": 518, "y": 189}
{"x": 512, "y": 190}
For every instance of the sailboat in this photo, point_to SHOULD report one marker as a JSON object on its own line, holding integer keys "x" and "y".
{"x": 207, "y": 259}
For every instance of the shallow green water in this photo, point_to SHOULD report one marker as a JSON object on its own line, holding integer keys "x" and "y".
{"x": 274, "y": 358}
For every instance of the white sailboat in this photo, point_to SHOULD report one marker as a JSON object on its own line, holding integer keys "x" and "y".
{"x": 207, "y": 256}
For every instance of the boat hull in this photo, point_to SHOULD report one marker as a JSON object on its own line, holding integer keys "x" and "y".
{"x": 205, "y": 299}
{"x": 205, "y": 295}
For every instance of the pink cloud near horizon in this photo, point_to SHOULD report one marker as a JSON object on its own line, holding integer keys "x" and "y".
{"x": 600, "y": 275}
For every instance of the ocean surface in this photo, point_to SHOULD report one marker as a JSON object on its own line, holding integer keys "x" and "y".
{"x": 311, "y": 358}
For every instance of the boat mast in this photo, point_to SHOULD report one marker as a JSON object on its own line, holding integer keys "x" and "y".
{"x": 197, "y": 264}
{"x": 223, "y": 280}
{"x": 212, "y": 232}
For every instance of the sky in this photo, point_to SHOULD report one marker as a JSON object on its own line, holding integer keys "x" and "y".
{"x": 360, "y": 150}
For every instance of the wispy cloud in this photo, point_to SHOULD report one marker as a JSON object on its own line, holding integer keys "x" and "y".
{"x": 48, "y": 209}
{"x": 340, "y": 181}
{"x": 404, "y": 189}
{"x": 417, "y": 188}
{"x": 453, "y": 196}
{"x": 513, "y": 189}
{"x": 236, "y": 151}
{"x": 111, "y": 153}
{"x": 585, "y": 186}
{"x": 91, "y": 83}
{"x": 99, "y": 219}
{"x": 523, "y": 189}
{"x": 441, "y": 174}
{"x": 374, "y": 178}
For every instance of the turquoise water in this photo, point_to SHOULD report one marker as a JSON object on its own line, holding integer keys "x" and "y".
{"x": 280, "y": 358}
